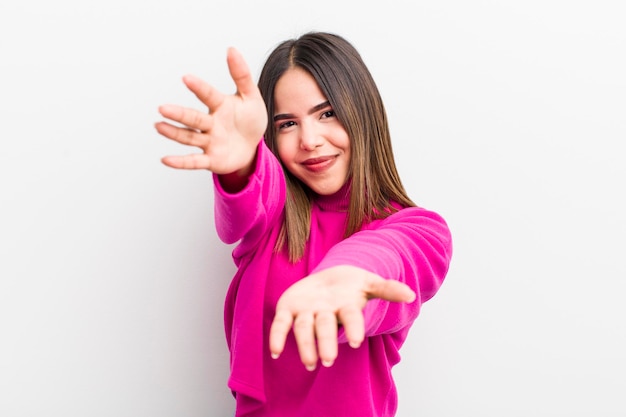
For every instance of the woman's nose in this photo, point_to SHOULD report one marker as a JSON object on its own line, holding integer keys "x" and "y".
{"x": 310, "y": 138}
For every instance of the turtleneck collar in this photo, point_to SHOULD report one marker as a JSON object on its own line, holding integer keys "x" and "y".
{"x": 339, "y": 201}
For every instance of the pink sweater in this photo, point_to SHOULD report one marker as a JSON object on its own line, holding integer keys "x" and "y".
{"x": 413, "y": 246}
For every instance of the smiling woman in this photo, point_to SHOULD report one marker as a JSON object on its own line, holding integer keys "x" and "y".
{"x": 312, "y": 143}
{"x": 334, "y": 259}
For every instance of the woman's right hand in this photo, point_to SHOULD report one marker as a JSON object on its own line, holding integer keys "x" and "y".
{"x": 229, "y": 134}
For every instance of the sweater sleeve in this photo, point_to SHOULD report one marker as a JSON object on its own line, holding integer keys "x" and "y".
{"x": 413, "y": 246}
{"x": 248, "y": 214}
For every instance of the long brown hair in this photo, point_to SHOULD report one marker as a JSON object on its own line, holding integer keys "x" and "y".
{"x": 344, "y": 79}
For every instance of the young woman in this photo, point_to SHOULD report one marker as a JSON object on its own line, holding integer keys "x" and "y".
{"x": 334, "y": 259}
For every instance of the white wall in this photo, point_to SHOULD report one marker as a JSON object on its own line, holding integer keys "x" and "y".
{"x": 508, "y": 118}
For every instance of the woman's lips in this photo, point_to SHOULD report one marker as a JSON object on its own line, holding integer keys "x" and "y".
{"x": 319, "y": 164}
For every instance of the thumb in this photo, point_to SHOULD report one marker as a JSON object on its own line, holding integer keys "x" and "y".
{"x": 240, "y": 73}
{"x": 392, "y": 290}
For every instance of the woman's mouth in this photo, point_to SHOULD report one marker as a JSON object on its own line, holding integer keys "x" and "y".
{"x": 320, "y": 164}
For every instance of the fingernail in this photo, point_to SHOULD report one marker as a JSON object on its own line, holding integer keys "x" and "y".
{"x": 355, "y": 345}
{"x": 327, "y": 364}
{"x": 310, "y": 367}
{"x": 275, "y": 355}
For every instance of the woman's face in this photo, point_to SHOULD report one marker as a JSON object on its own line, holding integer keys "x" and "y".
{"x": 312, "y": 143}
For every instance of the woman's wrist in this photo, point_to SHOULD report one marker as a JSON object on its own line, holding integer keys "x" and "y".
{"x": 236, "y": 181}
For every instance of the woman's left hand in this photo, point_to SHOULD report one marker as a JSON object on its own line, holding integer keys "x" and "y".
{"x": 317, "y": 304}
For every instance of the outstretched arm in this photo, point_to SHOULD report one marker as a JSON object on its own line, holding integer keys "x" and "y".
{"x": 228, "y": 135}
{"x": 403, "y": 259}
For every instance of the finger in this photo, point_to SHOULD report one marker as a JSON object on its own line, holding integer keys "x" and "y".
{"x": 240, "y": 73}
{"x": 390, "y": 290}
{"x": 208, "y": 95}
{"x": 303, "y": 330}
{"x": 188, "y": 117}
{"x": 326, "y": 332}
{"x": 194, "y": 161}
{"x": 181, "y": 134}
{"x": 353, "y": 324}
{"x": 281, "y": 326}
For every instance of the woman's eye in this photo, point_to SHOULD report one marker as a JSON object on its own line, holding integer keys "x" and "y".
{"x": 286, "y": 125}
{"x": 328, "y": 113}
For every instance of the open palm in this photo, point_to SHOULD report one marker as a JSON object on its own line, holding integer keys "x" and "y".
{"x": 231, "y": 130}
{"x": 315, "y": 305}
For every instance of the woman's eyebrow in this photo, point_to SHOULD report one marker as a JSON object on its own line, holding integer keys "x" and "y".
{"x": 313, "y": 109}
{"x": 319, "y": 107}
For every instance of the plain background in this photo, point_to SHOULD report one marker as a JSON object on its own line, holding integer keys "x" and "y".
{"x": 508, "y": 118}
